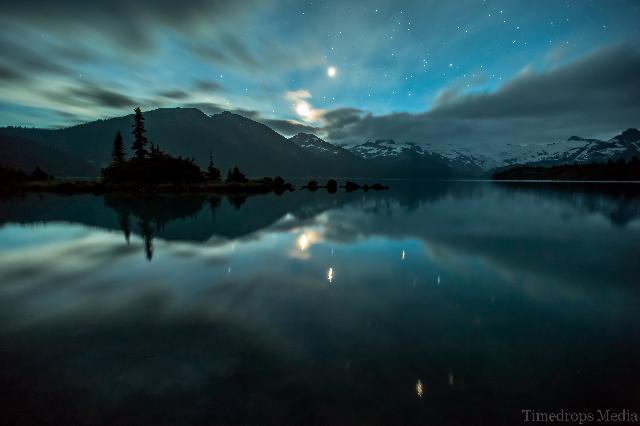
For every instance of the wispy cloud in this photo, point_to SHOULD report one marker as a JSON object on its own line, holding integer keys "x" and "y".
{"x": 594, "y": 95}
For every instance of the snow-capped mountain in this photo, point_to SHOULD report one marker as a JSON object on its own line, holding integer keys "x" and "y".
{"x": 469, "y": 158}
{"x": 385, "y": 148}
{"x": 455, "y": 158}
{"x": 335, "y": 159}
{"x": 379, "y": 158}
{"x": 318, "y": 146}
{"x": 388, "y": 157}
{"x": 575, "y": 149}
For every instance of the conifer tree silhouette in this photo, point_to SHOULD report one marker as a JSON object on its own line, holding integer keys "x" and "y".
{"x": 147, "y": 234}
{"x": 213, "y": 173}
{"x": 140, "y": 140}
{"x": 117, "y": 155}
{"x": 123, "y": 220}
{"x": 235, "y": 175}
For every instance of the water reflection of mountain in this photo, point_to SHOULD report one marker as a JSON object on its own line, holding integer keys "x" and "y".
{"x": 619, "y": 202}
{"x": 188, "y": 218}
{"x": 532, "y": 279}
{"x": 199, "y": 218}
{"x": 535, "y": 234}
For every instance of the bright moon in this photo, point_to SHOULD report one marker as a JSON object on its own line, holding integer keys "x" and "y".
{"x": 303, "y": 109}
{"x": 331, "y": 72}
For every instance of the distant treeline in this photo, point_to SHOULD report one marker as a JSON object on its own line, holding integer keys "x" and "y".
{"x": 612, "y": 170}
{"x": 10, "y": 176}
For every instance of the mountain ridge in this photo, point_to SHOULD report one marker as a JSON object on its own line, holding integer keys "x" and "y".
{"x": 25, "y": 154}
{"x": 230, "y": 138}
{"x": 626, "y": 145}
{"x": 233, "y": 139}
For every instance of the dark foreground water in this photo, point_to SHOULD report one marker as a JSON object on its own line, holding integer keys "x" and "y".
{"x": 431, "y": 303}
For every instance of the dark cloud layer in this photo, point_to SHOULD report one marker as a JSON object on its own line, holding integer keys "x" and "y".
{"x": 593, "y": 95}
{"x": 209, "y": 86}
{"x": 605, "y": 79}
{"x": 175, "y": 94}
{"x": 124, "y": 21}
{"x": 96, "y": 95}
{"x": 21, "y": 61}
{"x": 8, "y": 74}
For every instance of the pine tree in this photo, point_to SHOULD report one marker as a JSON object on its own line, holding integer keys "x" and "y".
{"x": 235, "y": 175}
{"x": 140, "y": 141}
{"x": 213, "y": 173}
{"x": 155, "y": 154}
{"x": 117, "y": 155}
{"x": 240, "y": 176}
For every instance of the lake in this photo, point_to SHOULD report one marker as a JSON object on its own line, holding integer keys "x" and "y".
{"x": 429, "y": 303}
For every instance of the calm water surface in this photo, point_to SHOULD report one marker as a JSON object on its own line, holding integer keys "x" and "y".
{"x": 430, "y": 303}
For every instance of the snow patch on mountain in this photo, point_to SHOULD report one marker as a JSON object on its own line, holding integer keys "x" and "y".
{"x": 481, "y": 158}
{"x": 574, "y": 149}
{"x": 383, "y": 148}
{"x": 313, "y": 143}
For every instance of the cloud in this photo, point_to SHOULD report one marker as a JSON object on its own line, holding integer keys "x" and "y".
{"x": 126, "y": 22}
{"x": 226, "y": 49}
{"x": 209, "y": 86}
{"x": 24, "y": 115}
{"x": 8, "y": 74}
{"x": 302, "y": 107}
{"x": 175, "y": 94}
{"x": 95, "y": 95}
{"x": 558, "y": 54}
{"x": 597, "y": 94}
{"x": 288, "y": 127}
{"x": 603, "y": 80}
{"x": 343, "y": 116}
{"x": 26, "y": 60}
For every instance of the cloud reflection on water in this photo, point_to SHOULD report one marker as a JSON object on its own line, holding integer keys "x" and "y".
{"x": 498, "y": 280}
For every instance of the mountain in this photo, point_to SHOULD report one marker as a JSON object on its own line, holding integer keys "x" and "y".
{"x": 379, "y": 158}
{"x": 477, "y": 160}
{"x": 574, "y": 149}
{"x": 580, "y": 150}
{"x": 188, "y": 132}
{"x": 411, "y": 159}
{"x": 619, "y": 170}
{"x": 260, "y": 151}
{"x": 320, "y": 147}
{"x": 232, "y": 140}
{"x": 25, "y": 154}
{"x": 336, "y": 160}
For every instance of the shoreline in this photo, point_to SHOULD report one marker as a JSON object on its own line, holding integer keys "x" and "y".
{"x": 97, "y": 187}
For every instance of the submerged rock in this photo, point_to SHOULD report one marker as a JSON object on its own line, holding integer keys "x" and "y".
{"x": 379, "y": 187}
{"x": 312, "y": 185}
{"x": 351, "y": 186}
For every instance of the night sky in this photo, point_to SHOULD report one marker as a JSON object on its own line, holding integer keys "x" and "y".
{"x": 465, "y": 72}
